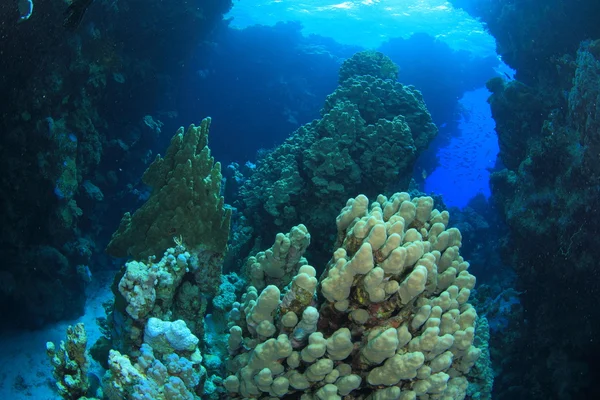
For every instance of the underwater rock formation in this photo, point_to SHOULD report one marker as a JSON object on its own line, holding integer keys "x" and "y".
{"x": 40, "y": 285}
{"x": 519, "y": 112}
{"x": 547, "y": 202}
{"x": 368, "y": 138}
{"x": 537, "y": 39}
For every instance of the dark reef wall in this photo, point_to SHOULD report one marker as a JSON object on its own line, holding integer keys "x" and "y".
{"x": 548, "y": 189}
{"x": 69, "y": 99}
{"x": 532, "y": 36}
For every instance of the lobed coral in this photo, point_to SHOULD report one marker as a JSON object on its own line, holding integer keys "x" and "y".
{"x": 277, "y": 265}
{"x": 388, "y": 319}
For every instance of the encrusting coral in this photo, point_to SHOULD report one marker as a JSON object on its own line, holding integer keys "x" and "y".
{"x": 388, "y": 319}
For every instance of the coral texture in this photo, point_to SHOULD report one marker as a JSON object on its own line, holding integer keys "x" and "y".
{"x": 367, "y": 139}
{"x": 547, "y": 201}
{"x": 70, "y": 364}
{"x": 389, "y": 318}
{"x": 369, "y": 62}
{"x": 170, "y": 377}
{"x": 186, "y": 202}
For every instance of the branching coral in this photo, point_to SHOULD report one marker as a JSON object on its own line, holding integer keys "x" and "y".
{"x": 186, "y": 201}
{"x": 70, "y": 364}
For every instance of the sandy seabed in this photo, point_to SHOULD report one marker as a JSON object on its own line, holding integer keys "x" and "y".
{"x": 25, "y": 371}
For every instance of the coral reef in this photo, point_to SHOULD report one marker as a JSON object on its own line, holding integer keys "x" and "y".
{"x": 389, "y": 318}
{"x": 548, "y": 132}
{"x": 70, "y": 364}
{"x": 68, "y": 99}
{"x": 369, "y": 62}
{"x": 547, "y": 192}
{"x": 154, "y": 375}
{"x": 186, "y": 186}
{"x": 368, "y": 138}
{"x": 157, "y": 317}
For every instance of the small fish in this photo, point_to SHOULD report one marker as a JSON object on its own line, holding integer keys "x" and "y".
{"x": 424, "y": 174}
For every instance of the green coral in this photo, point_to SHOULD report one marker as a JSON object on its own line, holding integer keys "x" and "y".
{"x": 377, "y": 98}
{"x": 326, "y": 159}
{"x": 369, "y": 62}
{"x": 185, "y": 202}
{"x": 368, "y": 138}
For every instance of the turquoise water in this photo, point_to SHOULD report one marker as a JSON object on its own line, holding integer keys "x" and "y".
{"x": 368, "y": 23}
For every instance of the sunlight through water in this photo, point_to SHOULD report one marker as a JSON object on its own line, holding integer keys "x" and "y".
{"x": 368, "y": 23}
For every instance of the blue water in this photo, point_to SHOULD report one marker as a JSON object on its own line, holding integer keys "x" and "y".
{"x": 466, "y": 161}
{"x": 462, "y": 172}
{"x": 369, "y": 23}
